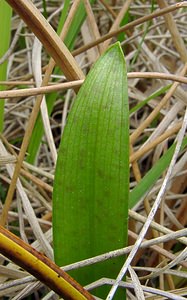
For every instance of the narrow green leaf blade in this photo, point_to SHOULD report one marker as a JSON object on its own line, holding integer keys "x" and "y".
{"x": 76, "y": 24}
{"x": 157, "y": 93}
{"x": 5, "y": 30}
{"x": 148, "y": 181}
{"x": 91, "y": 187}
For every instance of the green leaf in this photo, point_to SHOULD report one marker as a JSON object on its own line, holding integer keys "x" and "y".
{"x": 5, "y": 30}
{"x": 126, "y": 19}
{"x": 63, "y": 16}
{"x": 44, "y": 9}
{"x": 91, "y": 187}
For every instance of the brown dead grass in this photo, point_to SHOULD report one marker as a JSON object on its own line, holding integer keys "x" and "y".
{"x": 163, "y": 50}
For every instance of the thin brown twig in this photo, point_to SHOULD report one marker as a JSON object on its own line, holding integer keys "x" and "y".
{"x": 78, "y": 83}
{"x": 108, "y": 8}
{"x": 48, "y": 37}
{"x": 139, "y": 153}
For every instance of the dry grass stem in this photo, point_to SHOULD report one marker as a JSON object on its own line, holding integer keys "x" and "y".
{"x": 43, "y": 77}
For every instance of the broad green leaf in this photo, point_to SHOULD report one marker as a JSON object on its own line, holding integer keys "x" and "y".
{"x": 5, "y": 30}
{"x": 91, "y": 186}
{"x": 152, "y": 176}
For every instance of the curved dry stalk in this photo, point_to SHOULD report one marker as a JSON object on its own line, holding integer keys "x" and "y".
{"x": 42, "y": 90}
{"x": 145, "y": 244}
{"x": 158, "y": 75}
{"x": 48, "y": 37}
{"x": 77, "y": 83}
{"x": 41, "y": 267}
